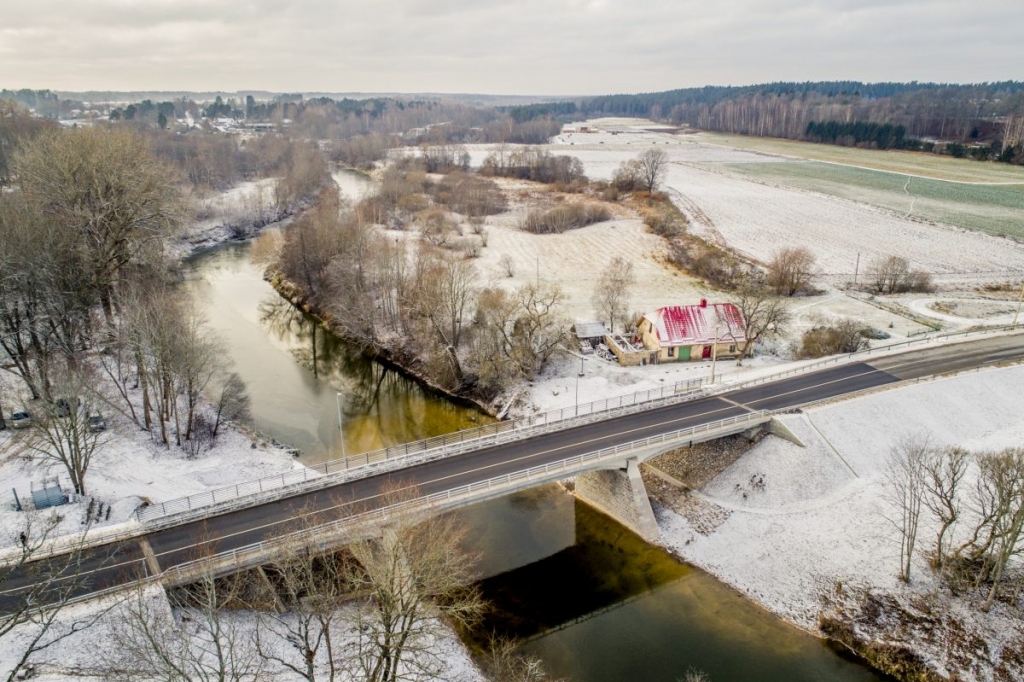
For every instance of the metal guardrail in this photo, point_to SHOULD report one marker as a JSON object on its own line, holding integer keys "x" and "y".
{"x": 857, "y": 355}
{"x": 337, "y": 471}
{"x": 417, "y": 452}
{"x": 257, "y": 552}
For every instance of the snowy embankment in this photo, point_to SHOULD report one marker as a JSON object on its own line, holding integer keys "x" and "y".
{"x": 816, "y": 528}
{"x": 86, "y": 655}
{"x": 231, "y": 214}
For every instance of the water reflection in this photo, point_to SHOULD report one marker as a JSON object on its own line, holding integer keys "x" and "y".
{"x": 294, "y": 369}
{"x": 599, "y": 604}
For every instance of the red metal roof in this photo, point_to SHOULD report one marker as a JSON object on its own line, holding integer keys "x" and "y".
{"x": 686, "y": 325}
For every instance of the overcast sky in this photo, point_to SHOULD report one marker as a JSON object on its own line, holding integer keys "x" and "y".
{"x": 539, "y": 47}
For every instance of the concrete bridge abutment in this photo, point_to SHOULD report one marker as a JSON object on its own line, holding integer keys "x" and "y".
{"x": 620, "y": 493}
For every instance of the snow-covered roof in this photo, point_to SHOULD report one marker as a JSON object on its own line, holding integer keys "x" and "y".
{"x": 590, "y": 330}
{"x": 685, "y": 325}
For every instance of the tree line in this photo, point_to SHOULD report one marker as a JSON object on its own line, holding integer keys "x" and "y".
{"x": 89, "y": 317}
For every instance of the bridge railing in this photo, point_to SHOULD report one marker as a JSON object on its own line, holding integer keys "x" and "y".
{"x": 856, "y": 356}
{"x": 416, "y": 452}
{"x": 257, "y": 552}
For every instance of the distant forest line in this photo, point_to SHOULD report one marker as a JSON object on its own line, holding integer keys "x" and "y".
{"x": 983, "y": 121}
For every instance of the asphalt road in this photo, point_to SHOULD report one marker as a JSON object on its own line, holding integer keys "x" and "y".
{"x": 109, "y": 565}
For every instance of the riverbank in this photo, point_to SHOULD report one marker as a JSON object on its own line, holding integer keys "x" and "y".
{"x": 804, "y": 531}
{"x": 398, "y": 358}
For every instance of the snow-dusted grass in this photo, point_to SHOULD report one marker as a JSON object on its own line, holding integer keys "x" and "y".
{"x": 820, "y": 518}
{"x": 757, "y": 219}
{"x": 994, "y": 209}
{"x": 892, "y": 161}
{"x": 130, "y": 467}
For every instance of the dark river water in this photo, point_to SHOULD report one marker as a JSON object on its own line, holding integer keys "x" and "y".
{"x": 595, "y": 602}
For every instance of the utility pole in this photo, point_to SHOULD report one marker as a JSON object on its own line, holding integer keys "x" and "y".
{"x": 578, "y": 377}
{"x": 856, "y": 269}
{"x": 714, "y": 355}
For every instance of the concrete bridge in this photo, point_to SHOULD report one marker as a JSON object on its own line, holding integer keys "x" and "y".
{"x": 247, "y": 525}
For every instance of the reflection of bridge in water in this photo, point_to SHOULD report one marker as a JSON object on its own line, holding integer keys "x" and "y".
{"x": 247, "y": 524}
{"x": 605, "y": 567}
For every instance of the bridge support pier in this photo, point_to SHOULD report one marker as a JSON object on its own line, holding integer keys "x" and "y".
{"x": 621, "y": 494}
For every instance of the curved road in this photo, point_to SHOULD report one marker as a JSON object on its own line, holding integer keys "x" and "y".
{"x": 109, "y": 565}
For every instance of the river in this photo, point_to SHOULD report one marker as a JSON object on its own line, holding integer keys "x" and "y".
{"x": 307, "y": 387}
{"x": 590, "y": 598}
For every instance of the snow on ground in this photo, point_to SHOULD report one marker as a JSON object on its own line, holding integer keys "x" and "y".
{"x": 82, "y": 655}
{"x": 819, "y": 517}
{"x": 756, "y": 219}
{"x": 574, "y": 260}
{"x": 219, "y": 213}
{"x": 130, "y": 467}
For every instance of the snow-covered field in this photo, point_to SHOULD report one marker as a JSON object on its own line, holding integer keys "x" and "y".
{"x": 130, "y": 467}
{"x": 819, "y": 518}
{"x": 756, "y": 219}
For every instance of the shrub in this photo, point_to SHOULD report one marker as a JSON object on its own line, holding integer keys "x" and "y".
{"x": 845, "y": 336}
{"x": 665, "y": 221}
{"x": 568, "y": 216}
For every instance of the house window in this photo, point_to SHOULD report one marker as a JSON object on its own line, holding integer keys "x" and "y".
{"x": 671, "y": 351}
{"x": 732, "y": 348}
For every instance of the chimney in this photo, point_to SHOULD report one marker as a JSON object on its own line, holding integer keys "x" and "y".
{"x": 703, "y": 303}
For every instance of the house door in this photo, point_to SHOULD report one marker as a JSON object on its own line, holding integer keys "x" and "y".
{"x": 705, "y": 353}
{"x": 684, "y": 353}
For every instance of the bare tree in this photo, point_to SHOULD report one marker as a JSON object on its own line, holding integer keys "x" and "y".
{"x": 417, "y": 577}
{"x": 764, "y": 315}
{"x": 999, "y": 500}
{"x": 62, "y": 433}
{"x": 504, "y": 662}
{"x": 508, "y": 265}
{"x": 611, "y": 295}
{"x": 36, "y": 588}
{"x": 518, "y": 332}
{"x": 232, "y": 403}
{"x": 791, "y": 270}
{"x": 183, "y": 636}
{"x": 107, "y": 186}
{"x": 905, "y": 491}
{"x": 943, "y": 474}
{"x": 892, "y": 275}
{"x": 653, "y": 164}
{"x": 309, "y": 588}
{"x": 443, "y": 293}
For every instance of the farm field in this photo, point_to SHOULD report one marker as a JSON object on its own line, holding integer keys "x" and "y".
{"x": 994, "y": 209}
{"x": 755, "y": 217}
{"x": 910, "y": 163}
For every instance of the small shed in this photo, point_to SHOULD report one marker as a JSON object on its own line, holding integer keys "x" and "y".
{"x": 590, "y": 335}
{"x": 590, "y": 331}
{"x": 50, "y": 494}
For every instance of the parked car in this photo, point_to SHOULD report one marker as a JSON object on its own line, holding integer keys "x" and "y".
{"x": 20, "y": 420}
{"x": 96, "y": 422}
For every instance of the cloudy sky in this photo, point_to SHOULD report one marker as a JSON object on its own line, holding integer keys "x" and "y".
{"x": 540, "y": 47}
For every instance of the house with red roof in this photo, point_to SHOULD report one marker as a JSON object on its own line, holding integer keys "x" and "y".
{"x": 693, "y": 332}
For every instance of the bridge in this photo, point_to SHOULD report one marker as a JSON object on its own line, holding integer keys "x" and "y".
{"x": 245, "y": 526}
